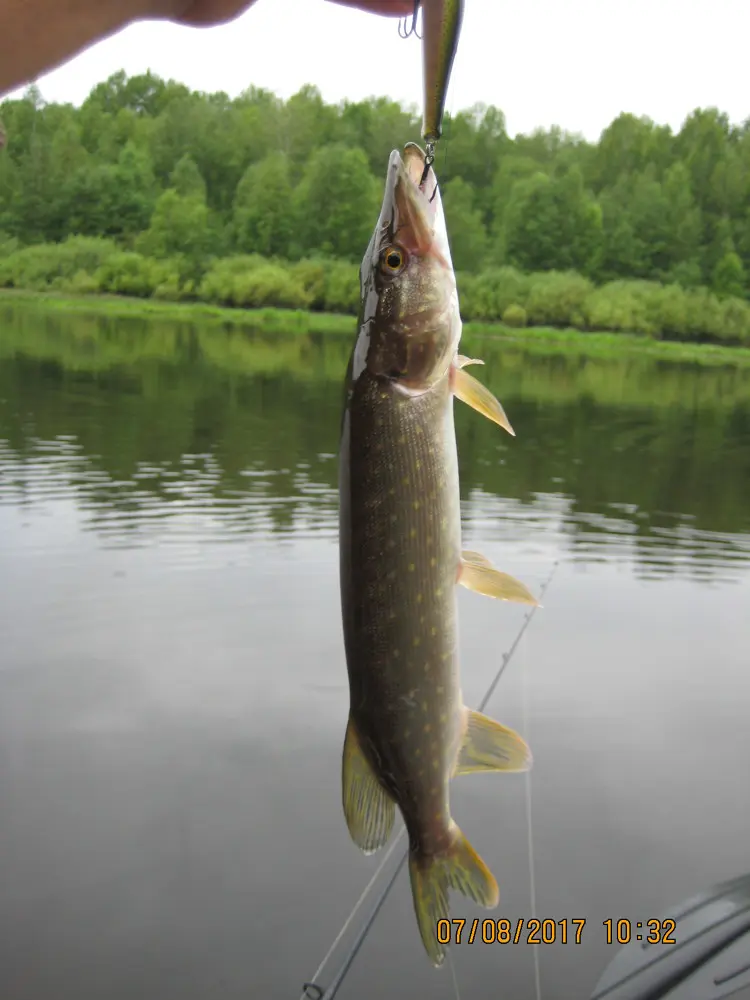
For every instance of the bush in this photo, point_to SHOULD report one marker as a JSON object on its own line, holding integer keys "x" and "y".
{"x": 736, "y": 321}
{"x": 8, "y": 244}
{"x": 51, "y": 265}
{"x": 82, "y": 283}
{"x": 311, "y": 275}
{"x": 486, "y": 296}
{"x": 342, "y": 291}
{"x": 270, "y": 285}
{"x": 620, "y": 306}
{"x": 556, "y": 298}
{"x": 515, "y": 315}
{"x": 127, "y": 273}
{"x": 218, "y": 284}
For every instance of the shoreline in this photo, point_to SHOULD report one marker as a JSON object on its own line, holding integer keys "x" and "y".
{"x": 546, "y": 340}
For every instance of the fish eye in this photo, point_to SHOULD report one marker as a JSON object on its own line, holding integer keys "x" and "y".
{"x": 393, "y": 259}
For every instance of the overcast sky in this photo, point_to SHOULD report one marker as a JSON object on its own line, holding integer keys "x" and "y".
{"x": 573, "y": 63}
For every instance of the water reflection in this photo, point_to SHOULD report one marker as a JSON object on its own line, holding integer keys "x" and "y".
{"x": 169, "y": 432}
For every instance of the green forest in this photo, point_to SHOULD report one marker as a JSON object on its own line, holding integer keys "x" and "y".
{"x": 152, "y": 190}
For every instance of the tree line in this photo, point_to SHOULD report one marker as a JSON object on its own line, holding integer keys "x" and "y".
{"x": 182, "y": 179}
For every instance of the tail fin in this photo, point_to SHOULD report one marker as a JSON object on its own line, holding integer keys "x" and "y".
{"x": 460, "y": 868}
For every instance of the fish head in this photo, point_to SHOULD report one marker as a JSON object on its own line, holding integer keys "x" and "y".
{"x": 410, "y": 325}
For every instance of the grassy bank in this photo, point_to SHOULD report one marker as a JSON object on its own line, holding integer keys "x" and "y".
{"x": 543, "y": 340}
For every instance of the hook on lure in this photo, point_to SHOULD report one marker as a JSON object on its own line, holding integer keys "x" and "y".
{"x": 405, "y": 30}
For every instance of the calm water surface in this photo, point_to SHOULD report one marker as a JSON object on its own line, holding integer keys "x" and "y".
{"x": 174, "y": 697}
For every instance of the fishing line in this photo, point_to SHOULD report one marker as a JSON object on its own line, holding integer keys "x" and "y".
{"x": 529, "y": 827}
{"x": 453, "y": 973}
{"x": 311, "y": 990}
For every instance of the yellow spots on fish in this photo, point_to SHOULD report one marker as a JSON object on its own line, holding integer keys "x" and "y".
{"x": 418, "y": 464}
{"x": 424, "y": 706}
{"x": 427, "y": 667}
{"x": 443, "y": 522}
{"x": 402, "y": 439}
{"x": 405, "y": 481}
{"x": 392, "y": 492}
{"x": 429, "y": 539}
{"x": 384, "y": 395}
{"x": 446, "y": 656}
{"x": 437, "y": 817}
{"x": 407, "y": 734}
{"x": 416, "y": 641}
{"x": 391, "y": 615}
{"x": 435, "y": 764}
{"x": 440, "y": 689}
{"x": 428, "y": 727}
{"x": 438, "y": 592}
{"x": 443, "y": 717}
{"x": 420, "y": 598}
{"x": 393, "y": 518}
{"x": 433, "y": 630}
{"x": 413, "y": 533}
{"x": 412, "y": 567}
{"x": 416, "y": 505}
{"x": 433, "y": 561}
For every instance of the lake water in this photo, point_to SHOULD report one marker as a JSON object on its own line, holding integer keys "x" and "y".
{"x": 173, "y": 688}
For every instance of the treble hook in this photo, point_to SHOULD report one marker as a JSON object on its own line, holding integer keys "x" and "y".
{"x": 402, "y": 29}
{"x": 429, "y": 159}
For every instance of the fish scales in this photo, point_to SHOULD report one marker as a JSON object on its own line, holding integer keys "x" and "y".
{"x": 404, "y": 551}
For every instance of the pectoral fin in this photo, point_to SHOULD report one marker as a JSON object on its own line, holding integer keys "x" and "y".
{"x": 462, "y": 361}
{"x": 477, "y": 573}
{"x": 478, "y": 396}
{"x": 368, "y": 808}
{"x": 488, "y": 746}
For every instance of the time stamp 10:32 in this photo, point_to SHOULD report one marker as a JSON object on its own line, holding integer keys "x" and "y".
{"x": 534, "y": 931}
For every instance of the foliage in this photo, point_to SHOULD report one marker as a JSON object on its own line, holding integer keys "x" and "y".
{"x": 153, "y": 190}
{"x": 552, "y": 298}
{"x": 515, "y": 316}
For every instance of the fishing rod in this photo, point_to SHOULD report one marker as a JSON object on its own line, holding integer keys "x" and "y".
{"x": 311, "y": 990}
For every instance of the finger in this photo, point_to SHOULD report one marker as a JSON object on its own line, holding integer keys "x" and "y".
{"x": 388, "y": 8}
{"x": 208, "y": 12}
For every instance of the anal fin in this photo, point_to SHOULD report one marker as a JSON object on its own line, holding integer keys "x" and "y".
{"x": 470, "y": 391}
{"x": 489, "y": 746}
{"x": 368, "y": 808}
{"x": 477, "y": 573}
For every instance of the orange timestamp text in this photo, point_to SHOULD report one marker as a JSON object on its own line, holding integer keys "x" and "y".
{"x": 651, "y": 931}
{"x": 504, "y": 931}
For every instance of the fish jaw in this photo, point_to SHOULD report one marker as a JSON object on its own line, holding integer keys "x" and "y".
{"x": 409, "y": 324}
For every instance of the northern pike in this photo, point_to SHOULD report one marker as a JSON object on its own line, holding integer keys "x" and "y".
{"x": 408, "y": 731}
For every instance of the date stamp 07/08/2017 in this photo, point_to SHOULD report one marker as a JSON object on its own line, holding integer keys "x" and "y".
{"x": 567, "y": 931}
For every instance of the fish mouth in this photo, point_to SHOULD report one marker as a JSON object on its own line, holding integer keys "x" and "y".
{"x": 412, "y": 212}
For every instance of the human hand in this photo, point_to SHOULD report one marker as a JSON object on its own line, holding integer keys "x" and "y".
{"x": 38, "y": 35}
{"x": 207, "y": 12}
